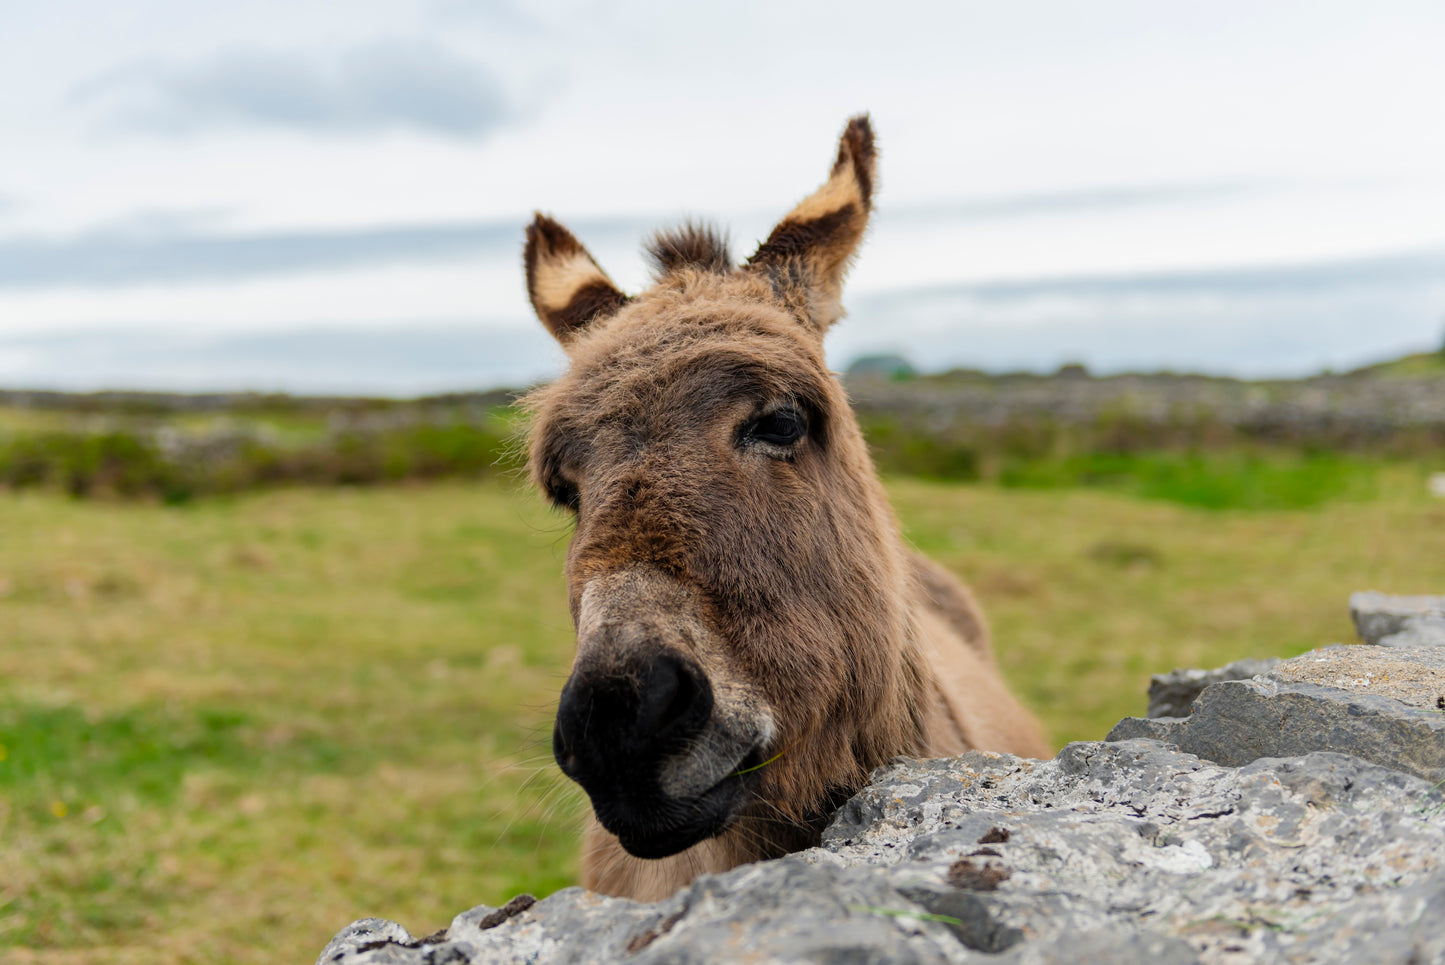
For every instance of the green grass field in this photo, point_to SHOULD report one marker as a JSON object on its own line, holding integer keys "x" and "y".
{"x": 228, "y": 728}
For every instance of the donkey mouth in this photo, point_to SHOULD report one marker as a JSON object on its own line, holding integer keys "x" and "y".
{"x": 702, "y": 818}
{"x": 659, "y": 826}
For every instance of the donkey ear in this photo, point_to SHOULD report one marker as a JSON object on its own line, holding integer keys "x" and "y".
{"x": 567, "y": 288}
{"x": 808, "y": 253}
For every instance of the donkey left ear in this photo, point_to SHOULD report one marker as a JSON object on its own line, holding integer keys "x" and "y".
{"x": 808, "y": 253}
{"x": 567, "y": 289}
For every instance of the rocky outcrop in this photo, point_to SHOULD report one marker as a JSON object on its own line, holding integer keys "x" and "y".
{"x": 1173, "y": 694}
{"x": 1390, "y": 621}
{"x": 1399, "y": 621}
{"x": 1382, "y": 704}
{"x": 1295, "y": 816}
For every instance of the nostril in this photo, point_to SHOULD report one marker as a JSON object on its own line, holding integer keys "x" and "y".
{"x": 682, "y": 701}
{"x": 621, "y": 721}
{"x": 565, "y": 738}
{"x": 674, "y": 698}
{"x": 566, "y": 759}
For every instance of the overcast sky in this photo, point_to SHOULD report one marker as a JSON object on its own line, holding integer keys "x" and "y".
{"x": 326, "y": 196}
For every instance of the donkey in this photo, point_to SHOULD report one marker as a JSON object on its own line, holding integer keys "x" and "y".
{"x": 753, "y": 634}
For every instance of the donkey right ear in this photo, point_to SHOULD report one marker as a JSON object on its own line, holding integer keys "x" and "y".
{"x": 567, "y": 289}
{"x": 808, "y": 253}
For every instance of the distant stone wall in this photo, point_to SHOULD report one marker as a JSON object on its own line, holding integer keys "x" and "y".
{"x": 1295, "y": 815}
{"x": 1356, "y": 405}
{"x": 1335, "y": 409}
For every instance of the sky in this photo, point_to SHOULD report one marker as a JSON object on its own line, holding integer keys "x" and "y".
{"x": 317, "y": 196}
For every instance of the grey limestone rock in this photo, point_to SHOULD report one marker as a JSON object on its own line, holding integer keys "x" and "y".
{"x": 1417, "y": 633}
{"x": 1173, "y": 694}
{"x": 1382, "y": 704}
{"x": 1296, "y": 817}
{"x": 790, "y": 910}
{"x": 1399, "y": 621}
{"x": 1162, "y": 856}
{"x": 1122, "y": 852}
{"x": 1380, "y": 619}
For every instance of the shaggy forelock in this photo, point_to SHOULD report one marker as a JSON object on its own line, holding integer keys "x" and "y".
{"x": 691, "y": 245}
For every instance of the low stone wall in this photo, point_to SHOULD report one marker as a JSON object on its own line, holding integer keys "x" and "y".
{"x": 1296, "y": 815}
{"x": 1345, "y": 408}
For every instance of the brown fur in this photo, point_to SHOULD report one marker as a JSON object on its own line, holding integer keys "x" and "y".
{"x": 693, "y": 245}
{"x": 566, "y": 287}
{"x": 783, "y": 571}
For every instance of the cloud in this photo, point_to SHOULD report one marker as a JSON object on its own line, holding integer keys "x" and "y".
{"x": 143, "y": 249}
{"x": 162, "y": 223}
{"x": 1257, "y": 321}
{"x": 413, "y": 358}
{"x": 1084, "y": 200}
{"x": 1394, "y": 269}
{"x": 386, "y": 86}
{"x": 496, "y": 14}
{"x": 113, "y": 257}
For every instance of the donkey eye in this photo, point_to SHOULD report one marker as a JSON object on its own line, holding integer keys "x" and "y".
{"x": 781, "y": 427}
{"x": 564, "y": 495}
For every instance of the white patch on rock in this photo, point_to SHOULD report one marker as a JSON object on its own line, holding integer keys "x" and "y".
{"x": 1182, "y": 859}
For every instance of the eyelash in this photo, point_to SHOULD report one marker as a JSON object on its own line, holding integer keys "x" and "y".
{"x": 782, "y": 427}
{"x": 564, "y": 495}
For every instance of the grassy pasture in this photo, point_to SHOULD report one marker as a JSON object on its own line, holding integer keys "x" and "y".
{"x": 228, "y": 728}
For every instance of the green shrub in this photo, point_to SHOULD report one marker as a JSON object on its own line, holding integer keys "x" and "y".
{"x": 906, "y": 453}
{"x": 132, "y": 464}
{"x": 88, "y": 464}
{"x": 1231, "y": 479}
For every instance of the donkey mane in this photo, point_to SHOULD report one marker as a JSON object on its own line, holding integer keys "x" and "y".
{"x": 693, "y": 244}
{"x": 753, "y": 633}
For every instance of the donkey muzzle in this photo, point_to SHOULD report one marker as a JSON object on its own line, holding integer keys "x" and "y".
{"x": 641, "y": 725}
{"x": 614, "y": 735}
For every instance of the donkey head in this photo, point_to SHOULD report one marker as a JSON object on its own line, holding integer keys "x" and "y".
{"x": 734, "y": 571}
